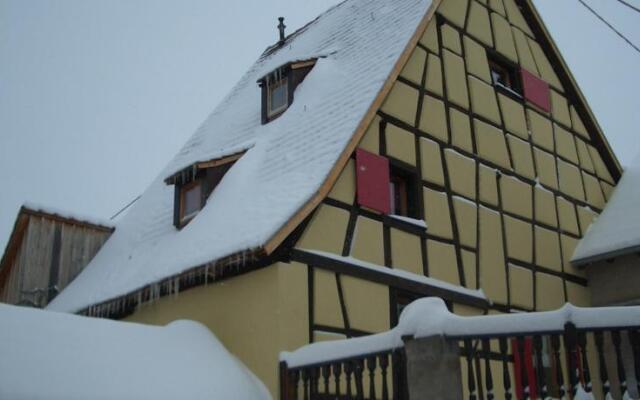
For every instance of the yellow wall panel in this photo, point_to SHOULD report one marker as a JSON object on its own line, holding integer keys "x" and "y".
{"x": 483, "y": 100}
{"x": 326, "y": 301}
{"x": 577, "y": 123}
{"x": 469, "y": 266}
{"x": 569, "y": 245}
{"x": 546, "y": 166}
{"x": 491, "y": 143}
{"x": 560, "y": 108}
{"x": 415, "y": 66}
{"x": 549, "y": 292}
{"x": 548, "y": 249}
{"x": 584, "y": 156}
{"x": 371, "y": 139}
{"x": 367, "y": 304}
{"x": 434, "y": 118}
{"x": 514, "y": 119}
{"x": 320, "y": 336}
{"x": 430, "y": 37}
{"x": 578, "y": 295}
{"x": 456, "y": 81}
{"x": 498, "y": 6}
{"x": 436, "y": 212}
{"x": 607, "y": 189}
{"x": 476, "y": 58}
{"x": 405, "y": 252}
{"x": 521, "y": 285}
{"x": 541, "y": 131}
{"x": 466, "y": 311}
{"x": 454, "y": 10}
{"x": 462, "y": 173}
{"x": 565, "y": 144}
{"x": 466, "y": 217}
{"x": 488, "y": 185}
{"x": 585, "y": 217}
{"x": 522, "y": 157}
{"x": 478, "y": 25}
{"x": 594, "y": 191}
{"x": 402, "y": 103}
{"x": 601, "y": 169}
{"x": 493, "y": 279}
{"x": 431, "y": 161}
{"x": 519, "y": 239}
{"x": 401, "y": 144}
{"x": 442, "y": 262}
{"x": 460, "y": 130}
{"x": 434, "y": 75}
{"x": 515, "y": 16}
{"x": 567, "y": 216}
{"x": 524, "y": 52}
{"x": 326, "y": 230}
{"x": 345, "y": 187}
{"x": 516, "y": 196}
{"x": 367, "y": 243}
{"x": 544, "y": 66}
{"x": 503, "y": 37}
{"x": 545, "y": 207}
{"x": 451, "y": 39}
{"x": 570, "y": 180}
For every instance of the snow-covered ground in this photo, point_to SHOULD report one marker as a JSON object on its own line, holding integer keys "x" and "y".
{"x": 49, "y": 355}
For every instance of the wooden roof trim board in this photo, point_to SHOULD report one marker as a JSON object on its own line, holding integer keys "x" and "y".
{"x": 331, "y": 178}
{"x": 215, "y": 162}
{"x": 535, "y": 20}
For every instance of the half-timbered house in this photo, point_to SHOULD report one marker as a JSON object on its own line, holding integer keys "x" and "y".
{"x": 386, "y": 151}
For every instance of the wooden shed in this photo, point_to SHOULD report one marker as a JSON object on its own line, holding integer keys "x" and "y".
{"x": 46, "y": 251}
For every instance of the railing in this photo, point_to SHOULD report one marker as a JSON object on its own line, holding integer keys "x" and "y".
{"x": 368, "y": 376}
{"x": 571, "y": 353}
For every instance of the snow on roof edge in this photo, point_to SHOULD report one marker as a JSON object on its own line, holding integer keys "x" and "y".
{"x": 68, "y": 215}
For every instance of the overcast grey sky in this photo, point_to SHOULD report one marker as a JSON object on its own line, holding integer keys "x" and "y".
{"x": 97, "y": 96}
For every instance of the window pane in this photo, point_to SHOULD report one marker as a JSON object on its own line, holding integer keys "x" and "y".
{"x": 278, "y": 96}
{"x": 192, "y": 201}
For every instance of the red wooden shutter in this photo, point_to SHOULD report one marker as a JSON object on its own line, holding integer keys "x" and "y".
{"x": 372, "y": 176}
{"x": 525, "y": 366}
{"x": 535, "y": 90}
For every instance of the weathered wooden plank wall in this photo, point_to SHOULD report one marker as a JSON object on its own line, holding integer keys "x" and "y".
{"x": 52, "y": 253}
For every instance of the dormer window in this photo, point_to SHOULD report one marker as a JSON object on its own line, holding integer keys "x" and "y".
{"x": 195, "y": 184}
{"x": 278, "y": 88}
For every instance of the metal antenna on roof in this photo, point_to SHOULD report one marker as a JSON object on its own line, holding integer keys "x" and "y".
{"x": 281, "y": 27}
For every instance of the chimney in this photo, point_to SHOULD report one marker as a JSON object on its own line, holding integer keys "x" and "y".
{"x": 281, "y": 27}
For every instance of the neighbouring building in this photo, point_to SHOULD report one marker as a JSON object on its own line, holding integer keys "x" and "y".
{"x": 47, "y": 249}
{"x": 386, "y": 151}
{"x": 610, "y": 250}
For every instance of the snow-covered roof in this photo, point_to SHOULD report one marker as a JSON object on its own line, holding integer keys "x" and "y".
{"x": 357, "y": 44}
{"x": 50, "y": 355}
{"x": 617, "y": 229}
{"x": 72, "y": 217}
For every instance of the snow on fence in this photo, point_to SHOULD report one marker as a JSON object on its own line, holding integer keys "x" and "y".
{"x": 571, "y": 352}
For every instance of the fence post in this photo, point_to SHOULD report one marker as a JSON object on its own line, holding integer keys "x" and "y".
{"x": 433, "y": 368}
{"x": 284, "y": 381}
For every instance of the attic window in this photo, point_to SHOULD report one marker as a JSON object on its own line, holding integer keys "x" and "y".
{"x": 194, "y": 185}
{"x": 279, "y": 86}
{"x": 403, "y": 191}
{"x": 505, "y": 76}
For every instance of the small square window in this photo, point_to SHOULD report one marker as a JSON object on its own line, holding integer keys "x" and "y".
{"x": 504, "y": 76}
{"x": 277, "y": 97}
{"x": 190, "y": 201}
{"x": 403, "y": 192}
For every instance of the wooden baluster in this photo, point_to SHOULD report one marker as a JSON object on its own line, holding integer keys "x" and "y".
{"x": 615, "y": 335}
{"x": 634, "y": 336}
{"x": 604, "y": 377}
{"x": 326, "y": 373}
{"x": 295, "y": 378}
{"x": 337, "y": 372}
{"x": 524, "y": 376}
{"x": 371, "y": 366}
{"x": 555, "y": 347}
{"x": 471, "y": 381}
{"x": 542, "y": 386}
{"x": 586, "y": 372}
{"x": 488, "y": 379}
{"x": 384, "y": 363}
{"x": 348, "y": 370}
{"x": 506, "y": 379}
{"x": 313, "y": 390}
{"x": 571, "y": 348}
{"x": 358, "y": 367}
{"x": 305, "y": 383}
